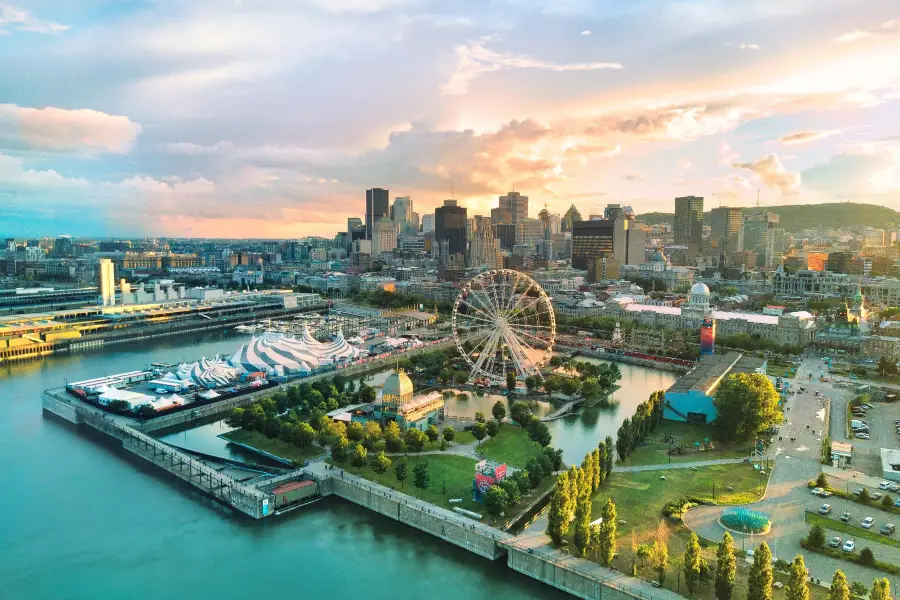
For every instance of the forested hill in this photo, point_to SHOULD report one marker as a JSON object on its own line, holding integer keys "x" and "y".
{"x": 795, "y": 217}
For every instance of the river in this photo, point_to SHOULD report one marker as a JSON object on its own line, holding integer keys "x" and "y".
{"x": 80, "y": 520}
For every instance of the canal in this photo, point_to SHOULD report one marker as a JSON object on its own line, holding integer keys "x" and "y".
{"x": 81, "y": 521}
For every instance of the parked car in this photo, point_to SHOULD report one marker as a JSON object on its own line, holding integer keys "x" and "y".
{"x": 884, "y": 485}
{"x": 867, "y": 523}
{"x": 826, "y": 493}
{"x": 847, "y": 516}
{"x": 877, "y": 496}
{"x": 896, "y": 503}
{"x": 849, "y": 546}
{"x": 857, "y": 491}
{"x": 863, "y": 436}
{"x": 817, "y": 491}
{"x": 887, "y": 529}
{"x": 835, "y": 542}
{"x": 866, "y": 406}
{"x": 824, "y": 509}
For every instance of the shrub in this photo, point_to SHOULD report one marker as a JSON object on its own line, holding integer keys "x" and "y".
{"x": 822, "y": 481}
{"x": 816, "y": 537}
{"x": 866, "y": 556}
{"x": 864, "y": 496}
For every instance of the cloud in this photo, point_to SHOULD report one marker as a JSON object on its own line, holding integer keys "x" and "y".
{"x": 772, "y": 173}
{"x": 804, "y": 137}
{"x": 19, "y": 19}
{"x": 887, "y": 29}
{"x": 189, "y": 149}
{"x": 743, "y": 46}
{"x": 862, "y": 172}
{"x": 474, "y": 59}
{"x": 586, "y": 32}
{"x": 62, "y": 130}
{"x": 633, "y": 177}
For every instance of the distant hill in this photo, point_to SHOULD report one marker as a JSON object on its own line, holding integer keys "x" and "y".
{"x": 795, "y": 217}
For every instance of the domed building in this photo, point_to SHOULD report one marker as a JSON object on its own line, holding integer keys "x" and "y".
{"x": 397, "y": 390}
{"x": 659, "y": 269}
{"x": 397, "y": 402}
{"x": 700, "y": 295}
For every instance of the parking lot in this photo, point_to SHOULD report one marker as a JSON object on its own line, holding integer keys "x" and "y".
{"x": 882, "y": 434}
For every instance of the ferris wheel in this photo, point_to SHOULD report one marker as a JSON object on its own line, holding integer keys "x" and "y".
{"x": 503, "y": 321}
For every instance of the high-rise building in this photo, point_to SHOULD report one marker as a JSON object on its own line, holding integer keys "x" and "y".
{"x": 607, "y": 238}
{"x": 688, "y": 228}
{"x": 402, "y": 214}
{"x": 10, "y": 244}
{"x": 62, "y": 246}
{"x": 511, "y": 208}
{"x": 384, "y": 236}
{"x": 505, "y": 234}
{"x": 450, "y": 227}
{"x": 377, "y": 206}
{"x": 613, "y": 212}
{"x": 428, "y": 223}
{"x": 107, "y": 282}
{"x": 484, "y": 248}
{"x": 758, "y": 235}
{"x": 725, "y": 230}
{"x": 572, "y": 216}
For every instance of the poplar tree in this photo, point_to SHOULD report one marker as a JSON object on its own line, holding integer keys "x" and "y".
{"x": 582, "y": 524}
{"x": 840, "y": 589}
{"x": 881, "y": 590}
{"x": 557, "y": 515}
{"x": 610, "y": 459}
{"x": 607, "y": 542}
{"x": 725, "y": 568}
{"x": 759, "y": 582}
{"x": 692, "y": 562}
{"x": 797, "y": 587}
{"x": 601, "y": 450}
{"x": 595, "y": 458}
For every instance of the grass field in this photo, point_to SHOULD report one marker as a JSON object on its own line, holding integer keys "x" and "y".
{"x": 852, "y": 530}
{"x": 685, "y": 434}
{"x": 463, "y": 437}
{"x": 511, "y": 446}
{"x": 273, "y": 446}
{"x": 450, "y": 477}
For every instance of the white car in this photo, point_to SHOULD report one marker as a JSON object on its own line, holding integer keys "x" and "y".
{"x": 884, "y": 485}
{"x": 817, "y": 491}
{"x": 849, "y": 546}
{"x": 867, "y": 523}
{"x": 862, "y": 436}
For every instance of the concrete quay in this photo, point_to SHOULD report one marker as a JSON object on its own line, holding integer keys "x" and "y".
{"x": 632, "y": 360}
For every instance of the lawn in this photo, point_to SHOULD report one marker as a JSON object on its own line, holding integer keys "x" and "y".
{"x": 273, "y": 446}
{"x": 511, "y": 446}
{"x": 656, "y": 452}
{"x": 463, "y": 437}
{"x": 640, "y": 497}
{"x": 450, "y": 477}
{"x": 847, "y": 528}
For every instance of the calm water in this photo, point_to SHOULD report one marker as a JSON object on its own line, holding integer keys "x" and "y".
{"x": 78, "y": 520}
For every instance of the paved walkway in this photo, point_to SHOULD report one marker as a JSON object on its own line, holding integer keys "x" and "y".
{"x": 467, "y": 450}
{"x": 787, "y": 496}
{"x": 678, "y": 465}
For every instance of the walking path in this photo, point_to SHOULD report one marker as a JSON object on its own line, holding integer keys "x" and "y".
{"x": 678, "y": 465}
{"x": 467, "y": 450}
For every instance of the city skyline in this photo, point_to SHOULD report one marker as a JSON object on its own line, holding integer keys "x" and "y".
{"x": 201, "y": 122}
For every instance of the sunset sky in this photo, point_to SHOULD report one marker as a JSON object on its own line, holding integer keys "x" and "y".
{"x": 270, "y": 118}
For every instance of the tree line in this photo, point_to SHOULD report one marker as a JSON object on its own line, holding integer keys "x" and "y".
{"x": 635, "y": 429}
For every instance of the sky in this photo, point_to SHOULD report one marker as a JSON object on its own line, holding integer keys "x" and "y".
{"x": 270, "y": 118}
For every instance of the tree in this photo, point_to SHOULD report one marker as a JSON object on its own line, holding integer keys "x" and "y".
{"x": 286, "y": 433}
{"x": 816, "y": 537}
{"x": 303, "y": 435}
{"x": 460, "y": 377}
{"x": 609, "y": 456}
{"x": 392, "y": 437}
{"x": 539, "y": 432}
{"x": 339, "y": 449}
{"x": 887, "y": 502}
{"x": 866, "y": 556}
{"x": 355, "y": 431}
{"x": 582, "y": 524}
{"x": 797, "y": 587}
{"x": 479, "y": 431}
{"x": 510, "y": 381}
{"x": 692, "y": 560}
{"x": 535, "y": 471}
{"x": 533, "y": 382}
{"x": 520, "y": 413}
{"x": 235, "y": 417}
{"x": 822, "y": 480}
{"x": 380, "y": 463}
{"x": 449, "y": 433}
{"x": 432, "y": 433}
{"x": 498, "y": 411}
{"x": 858, "y": 590}
{"x": 272, "y": 428}
{"x": 479, "y": 417}
{"x": 421, "y": 476}
{"x": 401, "y": 470}
{"x": 759, "y": 582}
{"x": 839, "y": 588}
{"x": 598, "y": 468}
{"x": 881, "y": 590}
{"x": 557, "y": 515}
{"x": 602, "y": 450}
{"x": 496, "y": 499}
{"x": 359, "y": 455}
{"x": 746, "y": 403}
{"x": 415, "y": 439}
{"x": 492, "y": 429}
{"x": 659, "y": 560}
{"x": 373, "y": 434}
{"x": 725, "y": 568}
{"x": 555, "y": 458}
{"x": 865, "y": 496}
{"x": 607, "y": 543}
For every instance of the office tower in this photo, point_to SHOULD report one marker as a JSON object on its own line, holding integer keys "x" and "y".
{"x": 450, "y": 227}
{"x": 613, "y": 212}
{"x": 107, "y": 282}
{"x": 402, "y": 214}
{"x": 428, "y": 223}
{"x": 613, "y": 239}
{"x": 689, "y": 224}
{"x": 505, "y": 234}
{"x": 377, "y": 206}
{"x": 572, "y": 216}
{"x": 414, "y": 225}
{"x": 725, "y": 230}
{"x": 384, "y": 236}
{"x": 511, "y": 208}
{"x": 10, "y": 245}
{"x": 62, "y": 246}
{"x": 758, "y": 235}
{"x": 484, "y": 248}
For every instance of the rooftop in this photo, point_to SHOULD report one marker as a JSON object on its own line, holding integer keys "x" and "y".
{"x": 710, "y": 370}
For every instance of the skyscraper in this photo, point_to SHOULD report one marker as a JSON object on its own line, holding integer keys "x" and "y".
{"x": 107, "y": 282}
{"x": 616, "y": 240}
{"x": 725, "y": 225}
{"x": 377, "y": 206}
{"x": 450, "y": 226}
{"x": 384, "y": 236}
{"x": 688, "y": 227}
{"x": 758, "y": 235}
{"x": 572, "y": 216}
{"x": 402, "y": 213}
{"x": 511, "y": 208}
{"x": 427, "y": 222}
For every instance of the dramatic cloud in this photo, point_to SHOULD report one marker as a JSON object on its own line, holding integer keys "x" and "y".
{"x": 804, "y": 137}
{"x": 888, "y": 28}
{"x": 19, "y": 19}
{"x": 773, "y": 174}
{"x": 189, "y": 149}
{"x": 863, "y": 172}
{"x": 475, "y": 59}
{"x": 62, "y": 130}
{"x": 586, "y": 32}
